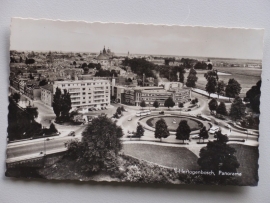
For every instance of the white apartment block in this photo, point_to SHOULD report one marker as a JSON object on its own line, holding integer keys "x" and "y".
{"x": 86, "y": 93}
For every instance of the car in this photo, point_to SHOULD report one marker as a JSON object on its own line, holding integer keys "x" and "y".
{"x": 72, "y": 133}
{"x": 47, "y": 139}
{"x": 161, "y": 112}
{"x": 228, "y": 126}
{"x": 195, "y": 136}
{"x": 90, "y": 109}
{"x": 130, "y": 119}
{"x": 213, "y": 129}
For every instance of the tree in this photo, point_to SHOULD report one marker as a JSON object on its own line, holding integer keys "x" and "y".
{"x": 99, "y": 147}
{"x": 66, "y": 105}
{"x": 253, "y": 96}
{"x": 221, "y": 109}
{"x": 85, "y": 69}
{"x": 211, "y": 86}
{"x": 203, "y": 133}
{"x": 32, "y": 112}
{"x": 119, "y": 111}
{"x": 180, "y": 105}
{"x": 140, "y": 131}
{"x": 183, "y": 131}
{"x": 43, "y": 82}
{"x": 53, "y": 128}
{"x": 31, "y": 76}
{"x": 237, "y": 109}
{"x": 192, "y": 78}
{"x": 156, "y": 104}
{"x": 218, "y": 156}
{"x": 161, "y": 129}
{"x": 142, "y": 104}
{"x": 209, "y": 66}
{"x": 169, "y": 102}
{"x": 213, "y": 105}
{"x": 233, "y": 88}
{"x": 220, "y": 87}
{"x": 200, "y": 65}
{"x": 57, "y": 103}
{"x": 211, "y": 73}
{"x": 16, "y": 96}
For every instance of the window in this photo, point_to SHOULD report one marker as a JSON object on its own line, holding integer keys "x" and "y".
{"x": 83, "y": 88}
{"x": 83, "y": 93}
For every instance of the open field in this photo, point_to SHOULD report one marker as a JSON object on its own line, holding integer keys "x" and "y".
{"x": 247, "y": 77}
{"x": 176, "y": 157}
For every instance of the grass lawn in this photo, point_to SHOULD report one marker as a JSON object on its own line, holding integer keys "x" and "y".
{"x": 247, "y": 156}
{"x": 193, "y": 124}
{"x": 176, "y": 157}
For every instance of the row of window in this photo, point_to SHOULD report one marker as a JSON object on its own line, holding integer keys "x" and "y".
{"x": 83, "y": 84}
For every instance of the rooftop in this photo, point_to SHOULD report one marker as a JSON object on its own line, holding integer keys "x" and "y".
{"x": 48, "y": 87}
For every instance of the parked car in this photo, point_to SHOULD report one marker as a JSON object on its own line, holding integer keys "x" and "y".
{"x": 213, "y": 129}
{"x": 161, "y": 112}
{"x": 130, "y": 119}
{"x": 228, "y": 126}
{"x": 189, "y": 110}
{"x": 72, "y": 133}
{"x": 195, "y": 136}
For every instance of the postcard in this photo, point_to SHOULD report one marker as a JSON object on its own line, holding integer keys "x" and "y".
{"x": 134, "y": 102}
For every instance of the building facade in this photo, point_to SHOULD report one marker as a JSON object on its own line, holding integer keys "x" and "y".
{"x": 47, "y": 94}
{"x": 86, "y": 93}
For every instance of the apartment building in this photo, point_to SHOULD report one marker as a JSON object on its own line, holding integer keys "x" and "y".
{"x": 86, "y": 93}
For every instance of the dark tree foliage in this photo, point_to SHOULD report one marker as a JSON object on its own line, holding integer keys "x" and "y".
{"x": 29, "y": 61}
{"x": 139, "y": 131}
{"x": 16, "y": 96}
{"x": 192, "y": 78}
{"x": 161, "y": 129}
{"x": 31, "y": 76}
{"x": 213, "y": 105}
{"x": 57, "y": 102}
{"x": 253, "y": 95}
{"x": 140, "y": 66}
{"x": 218, "y": 156}
{"x": 171, "y": 72}
{"x": 21, "y": 124}
{"x": 209, "y": 66}
{"x": 94, "y": 65}
{"x": 99, "y": 147}
{"x": 169, "y": 102}
{"x": 200, "y": 65}
{"x": 106, "y": 73}
{"x": 220, "y": 87}
{"x": 168, "y": 60}
{"x": 183, "y": 131}
{"x": 66, "y": 105}
{"x": 212, "y": 73}
{"x": 43, "y": 82}
{"x": 156, "y": 104}
{"x": 142, "y": 104}
{"x": 211, "y": 86}
{"x": 221, "y": 109}
{"x": 180, "y": 105}
{"x": 237, "y": 109}
{"x": 119, "y": 110}
{"x": 187, "y": 63}
{"x": 233, "y": 88}
{"x": 53, "y": 128}
{"x": 32, "y": 112}
{"x": 203, "y": 133}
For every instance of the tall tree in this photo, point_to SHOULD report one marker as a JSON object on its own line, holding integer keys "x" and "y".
{"x": 203, "y": 133}
{"x": 66, "y": 105}
{"x": 220, "y": 87}
{"x": 142, "y": 104}
{"x": 169, "y": 102}
{"x": 213, "y": 105}
{"x": 218, "y": 156}
{"x": 221, "y": 109}
{"x": 156, "y": 104}
{"x": 253, "y": 95}
{"x": 57, "y": 102}
{"x": 161, "y": 129}
{"x": 192, "y": 78}
{"x": 99, "y": 147}
{"x": 211, "y": 73}
{"x": 183, "y": 131}
{"x": 139, "y": 131}
{"x": 53, "y": 128}
{"x": 238, "y": 108}
{"x": 233, "y": 88}
{"x": 211, "y": 86}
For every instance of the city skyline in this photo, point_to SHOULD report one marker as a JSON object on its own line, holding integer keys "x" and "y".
{"x": 67, "y": 36}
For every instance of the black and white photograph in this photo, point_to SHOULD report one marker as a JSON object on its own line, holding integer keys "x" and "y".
{"x": 135, "y": 103}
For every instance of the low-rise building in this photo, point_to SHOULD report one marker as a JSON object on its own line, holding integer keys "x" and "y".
{"x": 47, "y": 94}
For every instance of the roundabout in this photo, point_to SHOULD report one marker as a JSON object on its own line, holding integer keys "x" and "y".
{"x": 173, "y": 122}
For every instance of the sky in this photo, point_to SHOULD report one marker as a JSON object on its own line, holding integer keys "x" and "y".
{"x": 79, "y": 36}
